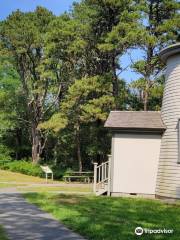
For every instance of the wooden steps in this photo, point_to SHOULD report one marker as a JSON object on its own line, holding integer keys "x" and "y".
{"x": 102, "y": 190}
{"x": 102, "y": 177}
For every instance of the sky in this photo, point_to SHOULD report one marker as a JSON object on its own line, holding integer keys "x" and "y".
{"x": 58, "y": 7}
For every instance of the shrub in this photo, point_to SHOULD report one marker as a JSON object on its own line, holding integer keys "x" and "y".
{"x": 28, "y": 168}
{"x": 58, "y": 173}
{"x": 4, "y": 153}
{"x": 22, "y": 167}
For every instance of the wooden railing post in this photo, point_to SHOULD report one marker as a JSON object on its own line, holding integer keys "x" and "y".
{"x": 95, "y": 177}
{"x": 46, "y": 178}
{"x": 102, "y": 172}
{"x": 109, "y": 175}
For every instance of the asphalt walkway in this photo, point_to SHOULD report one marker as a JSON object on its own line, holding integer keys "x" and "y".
{"x": 24, "y": 221}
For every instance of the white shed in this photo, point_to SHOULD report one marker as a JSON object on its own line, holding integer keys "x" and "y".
{"x": 136, "y": 144}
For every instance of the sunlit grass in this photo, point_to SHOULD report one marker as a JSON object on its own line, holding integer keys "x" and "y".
{"x": 66, "y": 188}
{"x": 7, "y": 176}
{"x": 7, "y": 185}
{"x": 107, "y": 218}
{"x": 25, "y": 183}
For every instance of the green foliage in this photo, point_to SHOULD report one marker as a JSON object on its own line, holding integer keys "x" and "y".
{"x": 13, "y": 120}
{"x": 162, "y": 23}
{"x": 23, "y": 40}
{"x": 113, "y": 28}
{"x": 58, "y": 172}
{"x": 28, "y": 168}
{"x": 23, "y": 167}
{"x": 9, "y": 87}
{"x": 56, "y": 122}
{"x": 5, "y": 153}
{"x": 87, "y": 100}
{"x": 59, "y": 76}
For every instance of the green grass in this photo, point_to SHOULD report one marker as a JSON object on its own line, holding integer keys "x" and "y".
{"x": 67, "y": 188}
{"x": 25, "y": 183}
{"x": 7, "y": 176}
{"x": 106, "y": 218}
{"x": 7, "y": 185}
{"x": 2, "y": 234}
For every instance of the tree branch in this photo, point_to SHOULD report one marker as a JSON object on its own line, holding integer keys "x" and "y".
{"x": 55, "y": 100}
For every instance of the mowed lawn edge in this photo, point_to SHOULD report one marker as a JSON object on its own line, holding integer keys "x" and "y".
{"x": 107, "y": 218}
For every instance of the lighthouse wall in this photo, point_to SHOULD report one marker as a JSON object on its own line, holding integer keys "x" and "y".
{"x": 168, "y": 177}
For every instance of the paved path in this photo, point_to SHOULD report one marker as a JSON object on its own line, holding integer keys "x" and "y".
{"x": 24, "y": 221}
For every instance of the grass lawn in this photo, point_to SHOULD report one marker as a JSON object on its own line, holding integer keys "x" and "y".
{"x": 105, "y": 218}
{"x": 25, "y": 183}
{"x": 7, "y": 176}
{"x": 6, "y": 185}
{"x": 67, "y": 188}
{"x": 2, "y": 234}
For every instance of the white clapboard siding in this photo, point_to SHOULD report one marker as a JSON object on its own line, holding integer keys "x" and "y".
{"x": 168, "y": 177}
{"x": 166, "y": 180}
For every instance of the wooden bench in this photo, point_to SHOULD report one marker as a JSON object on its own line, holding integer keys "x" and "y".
{"x": 47, "y": 171}
{"x": 86, "y": 176}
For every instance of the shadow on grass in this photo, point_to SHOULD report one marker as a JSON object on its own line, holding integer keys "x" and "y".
{"x": 104, "y": 218}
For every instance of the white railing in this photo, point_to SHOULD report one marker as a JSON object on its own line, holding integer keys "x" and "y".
{"x": 102, "y": 177}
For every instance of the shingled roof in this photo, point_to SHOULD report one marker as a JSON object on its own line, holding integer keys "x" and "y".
{"x": 135, "y": 120}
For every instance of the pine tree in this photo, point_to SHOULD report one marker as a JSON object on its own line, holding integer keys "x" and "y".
{"x": 160, "y": 27}
{"x": 87, "y": 100}
{"x": 22, "y": 38}
{"x": 113, "y": 28}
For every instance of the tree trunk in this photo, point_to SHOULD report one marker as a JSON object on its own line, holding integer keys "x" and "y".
{"x": 115, "y": 83}
{"x": 115, "y": 80}
{"x": 36, "y": 144}
{"x": 146, "y": 100}
{"x": 18, "y": 143}
{"x": 78, "y": 144}
{"x": 146, "y": 93}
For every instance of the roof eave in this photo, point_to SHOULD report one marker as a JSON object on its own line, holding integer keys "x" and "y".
{"x": 169, "y": 51}
{"x": 136, "y": 130}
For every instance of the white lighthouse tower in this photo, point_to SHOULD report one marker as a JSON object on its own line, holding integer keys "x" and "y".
{"x": 168, "y": 178}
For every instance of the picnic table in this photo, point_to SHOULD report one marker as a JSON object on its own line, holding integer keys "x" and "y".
{"x": 86, "y": 176}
